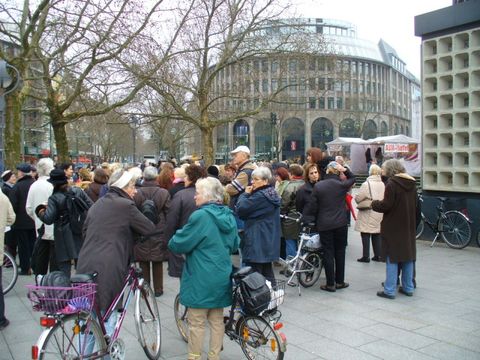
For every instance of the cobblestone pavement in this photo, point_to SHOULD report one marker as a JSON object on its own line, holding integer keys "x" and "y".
{"x": 441, "y": 320}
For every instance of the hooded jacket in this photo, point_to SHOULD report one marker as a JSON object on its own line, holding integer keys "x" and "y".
{"x": 399, "y": 223}
{"x": 261, "y": 212}
{"x": 208, "y": 240}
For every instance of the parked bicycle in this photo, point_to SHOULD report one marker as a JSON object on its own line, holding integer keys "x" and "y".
{"x": 9, "y": 272}
{"x": 453, "y": 226}
{"x": 307, "y": 264}
{"x": 257, "y": 335}
{"x": 75, "y": 327}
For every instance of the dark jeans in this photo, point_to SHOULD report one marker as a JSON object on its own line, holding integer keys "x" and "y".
{"x": 334, "y": 243}
{"x": 2, "y": 302}
{"x": 45, "y": 255}
{"x": 11, "y": 243}
{"x": 26, "y": 240}
{"x": 366, "y": 244}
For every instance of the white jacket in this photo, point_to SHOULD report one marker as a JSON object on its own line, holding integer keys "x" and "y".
{"x": 368, "y": 221}
{"x": 38, "y": 194}
{"x": 7, "y": 217}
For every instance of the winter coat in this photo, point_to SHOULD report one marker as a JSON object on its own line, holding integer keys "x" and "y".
{"x": 304, "y": 194}
{"x": 7, "y": 188}
{"x": 208, "y": 240}
{"x": 67, "y": 244}
{"x": 261, "y": 212}
{"x": 153, "y": 248}
{"x": 18, "y": 198}
{"x": 290, "y": 228}
{"x": 7, "y": 218}
{"x": 368, "y": 221}
{"x": 176, "y": 188}
{"x": 327, "y": 207}
{"x": 398, "y": 225}
{"x": 182, "y": 206}
{"x": 38, "y": 194}
{"x": 109, "y": 238}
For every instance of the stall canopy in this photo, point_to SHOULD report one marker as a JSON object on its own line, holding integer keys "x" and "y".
{"x": 401, "y": 147}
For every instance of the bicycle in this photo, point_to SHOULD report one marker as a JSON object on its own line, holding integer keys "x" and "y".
{"x": 257, "y": 335}
{"x": 453, "y": 226}
{"x": 9, "y": 272}
{"x": 75, "y": 327}
{"x": 307, "y": 264}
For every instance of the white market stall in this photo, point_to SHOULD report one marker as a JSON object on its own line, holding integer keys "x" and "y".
{"x": 401, "y": 147}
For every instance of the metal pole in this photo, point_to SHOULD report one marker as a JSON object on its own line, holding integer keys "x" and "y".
{"x": 134, "y": 133}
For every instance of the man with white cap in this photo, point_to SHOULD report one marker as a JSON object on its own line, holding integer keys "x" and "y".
{"x": 23, "y": 230}
{"x": 242, "y": 179}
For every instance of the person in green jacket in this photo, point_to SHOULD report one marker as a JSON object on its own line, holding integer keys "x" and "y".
{"x": 207, "y": 240}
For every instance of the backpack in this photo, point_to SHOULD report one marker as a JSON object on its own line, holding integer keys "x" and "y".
{"x": 255, "y": 293}
{"x": 77, "y": 211}
{"x": 149, "y": 208}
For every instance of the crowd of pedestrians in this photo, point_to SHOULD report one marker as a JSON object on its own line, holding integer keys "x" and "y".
{"x": 195, "y": 217}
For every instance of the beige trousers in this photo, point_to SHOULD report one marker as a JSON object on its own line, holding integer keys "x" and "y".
{"x": 196, "y": 325}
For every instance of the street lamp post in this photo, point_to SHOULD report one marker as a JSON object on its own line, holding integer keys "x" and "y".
{"x": 273, "y": 122}
{"x": 7, "y": 85}
{"x": 133, "y": 121}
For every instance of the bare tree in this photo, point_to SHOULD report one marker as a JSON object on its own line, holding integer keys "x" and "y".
{"x": 225, "y": 37}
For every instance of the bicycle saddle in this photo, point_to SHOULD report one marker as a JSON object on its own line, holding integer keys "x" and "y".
{"x": 83, "y": 278}
{"x": 242, "y": 272}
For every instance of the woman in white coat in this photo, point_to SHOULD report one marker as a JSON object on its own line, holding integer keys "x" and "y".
{"x": 368, "y": 221}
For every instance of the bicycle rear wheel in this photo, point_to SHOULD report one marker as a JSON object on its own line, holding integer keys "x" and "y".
{"x": 457, "y": 231}
{"x": 258, "y": 340}
{"x": 314, "y": 264}
{"x": 181, "y": 319}
{"x": 420, "y": 228}
{"x": 9, "y": 272}
{"x": 147, "y": 321}
{"x": 75, "y": 336}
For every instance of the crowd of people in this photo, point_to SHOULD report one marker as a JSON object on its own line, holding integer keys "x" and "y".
{"x": 195, "y": 217}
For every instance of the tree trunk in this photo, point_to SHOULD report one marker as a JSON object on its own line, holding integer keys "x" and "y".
{"x": 60, "y": 140}
{"x": 207, "y": 145}
{"x": 13, "y": 127}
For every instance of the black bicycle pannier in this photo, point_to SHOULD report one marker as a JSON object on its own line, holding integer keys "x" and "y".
{"x": 255, "y": 293}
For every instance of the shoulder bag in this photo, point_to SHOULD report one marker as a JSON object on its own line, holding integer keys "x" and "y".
{"x": 366, "y": 204}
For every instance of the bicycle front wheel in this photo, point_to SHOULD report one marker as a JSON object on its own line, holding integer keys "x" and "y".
{"x": 258, "y": 339}
{"x": 181, "y": 319}
{"x": 313, "y": 266}
{"x": 420, "y": 228}
{"x": 147, "y": 321}
{"x": 75, "y": 336}
{"x": 9, "y": 272}
{"x": 457, "y": 231}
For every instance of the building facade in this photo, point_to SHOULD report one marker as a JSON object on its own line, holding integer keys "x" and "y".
{"x": 357, "y": 89}
{"x": 451, "y": 97}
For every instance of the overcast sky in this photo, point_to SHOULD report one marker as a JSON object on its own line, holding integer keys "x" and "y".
{"x": 390, "y": 20}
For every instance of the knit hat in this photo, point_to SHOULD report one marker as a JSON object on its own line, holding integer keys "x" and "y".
{"x": 212, "y": 170}
{"x": 6, "y": 175}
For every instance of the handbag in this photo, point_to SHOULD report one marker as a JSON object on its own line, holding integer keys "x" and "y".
{"x": 366, "y": 204}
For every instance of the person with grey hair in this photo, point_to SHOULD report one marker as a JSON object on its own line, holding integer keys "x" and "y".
{"x": 151, "y": 199}
{"x": 44, "y": 249}
{"x": 208, "y": 240}
{"x": 259, "y": 207}
{"x": 398, "y": 228}
{"x": 368, "y": 220}
{"x": 110, "y": 229}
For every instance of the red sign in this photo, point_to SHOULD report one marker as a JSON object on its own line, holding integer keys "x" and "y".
{"x": 389, "y": 148}
{"x": 293, "y": 145}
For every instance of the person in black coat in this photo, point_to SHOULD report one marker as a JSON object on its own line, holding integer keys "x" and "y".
{"x": 327, "y": 210}
{"x": 304, "y": 194}
{"x": 67, "y": 244}
{"x": 23, "y": 230}
{"x": 182, "y": 206}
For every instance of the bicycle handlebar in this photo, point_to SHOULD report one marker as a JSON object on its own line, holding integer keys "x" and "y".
{"x": 291, "y": 218}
